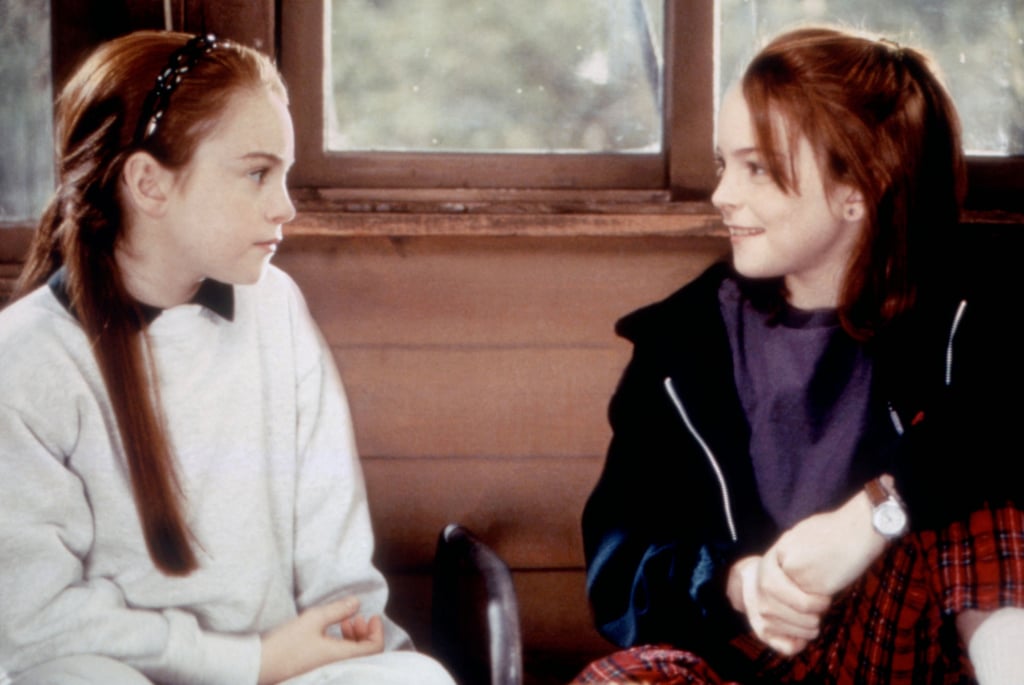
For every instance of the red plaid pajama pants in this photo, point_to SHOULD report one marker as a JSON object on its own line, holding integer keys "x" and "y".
{"x": 894, "y": 625}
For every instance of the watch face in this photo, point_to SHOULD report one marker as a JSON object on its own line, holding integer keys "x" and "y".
{"x": 889, "y": 519}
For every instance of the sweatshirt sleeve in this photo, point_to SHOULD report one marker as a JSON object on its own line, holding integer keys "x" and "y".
{"x": 50, "y": 608}
{"x": 333, "y": 537}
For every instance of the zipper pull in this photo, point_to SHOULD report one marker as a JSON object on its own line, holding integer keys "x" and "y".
{"x": 895, "y": 418}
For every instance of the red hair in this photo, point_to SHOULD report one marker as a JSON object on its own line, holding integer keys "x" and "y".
{"x": 97, "y": 115}
{"x": 880, "y": 121}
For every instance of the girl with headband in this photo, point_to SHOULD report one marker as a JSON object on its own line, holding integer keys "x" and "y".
{"x": 182, "y": 500}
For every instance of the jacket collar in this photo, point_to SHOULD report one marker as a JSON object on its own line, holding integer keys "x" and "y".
{"x": 216, "y": 296}
{"x": 683, "y": 338}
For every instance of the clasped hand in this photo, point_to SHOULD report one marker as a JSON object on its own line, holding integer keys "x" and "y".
{"x": 785, "y": 592}
{"x": 304, "y": 643}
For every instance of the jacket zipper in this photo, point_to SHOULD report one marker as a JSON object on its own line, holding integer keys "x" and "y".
{"x": 949, "y": 344}
{"x": 954, "y": 326}
{"x": 726, "y": 502}
{"x": 724, "y": 488}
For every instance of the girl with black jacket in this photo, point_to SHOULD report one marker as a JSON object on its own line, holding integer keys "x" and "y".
{"x": 808, "y": 475}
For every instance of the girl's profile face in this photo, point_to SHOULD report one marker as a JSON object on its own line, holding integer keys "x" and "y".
{"x": 228, "y": 204}
{"x": 802, "y": 236}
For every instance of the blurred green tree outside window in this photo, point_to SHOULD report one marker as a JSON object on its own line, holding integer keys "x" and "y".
{"x": 535, "y": 75}
{"x": 979, "y": 47}
{"x": 545, "y": 76}
{"x": 489, "y": 76}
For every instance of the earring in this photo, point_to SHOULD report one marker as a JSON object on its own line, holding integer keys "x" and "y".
{"x": 851, "y": 213}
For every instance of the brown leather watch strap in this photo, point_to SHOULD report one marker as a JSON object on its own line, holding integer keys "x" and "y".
{"x": 876, "y": 491}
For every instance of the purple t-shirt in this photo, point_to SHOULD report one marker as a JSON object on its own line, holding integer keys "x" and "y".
{"x": 805, "y": 386}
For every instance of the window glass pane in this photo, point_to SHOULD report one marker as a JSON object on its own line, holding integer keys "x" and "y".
{"x": 495, "y": 76}
{"x": 26, "y": 146}
{"x": 978, "y": 45}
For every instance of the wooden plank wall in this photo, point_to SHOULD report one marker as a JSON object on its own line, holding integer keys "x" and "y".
{"x": 478, "y": 371}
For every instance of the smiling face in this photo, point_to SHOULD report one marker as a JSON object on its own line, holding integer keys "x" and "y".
{"x": 227, "y": 206}
{"x": 805, "y": 236}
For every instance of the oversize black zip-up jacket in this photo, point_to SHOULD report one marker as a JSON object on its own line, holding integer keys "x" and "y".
{"x": 677, "y": 503}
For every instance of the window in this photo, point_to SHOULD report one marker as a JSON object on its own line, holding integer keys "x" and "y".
{"x": 26, "y": 147}
{"x": 523, "y": 77}
{"x": 335, "y": 153}
{"x": 455, "y": 94}
{"x": 978, "y": 46}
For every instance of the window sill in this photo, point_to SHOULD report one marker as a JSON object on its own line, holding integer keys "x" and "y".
{"x": 504, "y": 213}
{"x": 346, "y": 213}
{"x": 407, "y": 213}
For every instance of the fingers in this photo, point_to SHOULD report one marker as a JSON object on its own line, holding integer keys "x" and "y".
{"x": 333, "y": 612}
{"x": 359, "y": 629}
{"x": 740, "y": 577}
{"x": 371, "y": 639}
{"x": 775, "y": 607}
{"x": 305, "y": 643}
{"x": 354, "y": 628}
{"x": 784, "y": 594}
{"x": 375, "y": 631}
{"x": 786, "y": 646}
{"x": 785, "y": 608}
{"x": 361, "y": 636}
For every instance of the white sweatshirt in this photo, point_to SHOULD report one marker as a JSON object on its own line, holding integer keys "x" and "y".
{"x": 272, "y": 486}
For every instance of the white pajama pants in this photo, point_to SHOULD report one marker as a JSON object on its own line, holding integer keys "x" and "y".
{"x": 388, "y": 668}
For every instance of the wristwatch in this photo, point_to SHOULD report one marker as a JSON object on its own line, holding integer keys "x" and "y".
{"x": 887, "y": 513}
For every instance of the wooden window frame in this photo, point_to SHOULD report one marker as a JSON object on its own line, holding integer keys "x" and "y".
{"x": 465, "y": 183}
{"x": 683, "y": 167}
{"x": 344, "y": 203}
